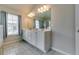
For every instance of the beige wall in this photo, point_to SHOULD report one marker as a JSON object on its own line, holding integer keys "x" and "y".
{"x": 10, "y": 10}
{"x": 63, "y": 28}
{"x": 27, "y": 23}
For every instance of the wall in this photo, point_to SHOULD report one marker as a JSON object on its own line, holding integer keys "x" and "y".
{"x": 27, "y": 23}
{"x": 10, "y": 10}
{"x": 63, "y": 28}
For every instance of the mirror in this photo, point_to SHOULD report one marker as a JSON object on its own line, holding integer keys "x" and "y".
{"x": 42, "y": 20}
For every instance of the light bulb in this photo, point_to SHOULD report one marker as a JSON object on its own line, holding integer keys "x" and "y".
{"x": 39, "y": 10}
{"x": 31, "y": 15}
{"x": 45, "y": 6}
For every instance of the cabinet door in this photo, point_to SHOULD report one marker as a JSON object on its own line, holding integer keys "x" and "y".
{"x": 47, "y": 40}
{"x": 28, "y": 36}
{"x": 24, "y": 35}
{"x": 40, "y": 40}
{"x": 33, "y": 38}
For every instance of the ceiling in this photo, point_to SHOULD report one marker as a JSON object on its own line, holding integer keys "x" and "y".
{"x": 23, "y": 8}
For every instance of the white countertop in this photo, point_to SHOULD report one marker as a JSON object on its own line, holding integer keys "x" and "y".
{"x": 37, "y": 29}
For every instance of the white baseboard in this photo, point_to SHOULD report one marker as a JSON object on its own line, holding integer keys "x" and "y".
{"x": 60, "y": 51}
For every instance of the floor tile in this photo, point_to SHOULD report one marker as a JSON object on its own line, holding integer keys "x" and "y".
{"x": 24, "y": 48}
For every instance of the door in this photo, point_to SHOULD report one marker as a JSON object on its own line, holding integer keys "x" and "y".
{"x": 77, "y": 29}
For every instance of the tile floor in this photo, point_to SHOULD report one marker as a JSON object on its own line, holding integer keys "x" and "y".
{"x": 23, "y": 48}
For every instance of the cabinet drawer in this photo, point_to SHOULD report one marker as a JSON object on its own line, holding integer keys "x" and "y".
{"x": 28, "y": 36}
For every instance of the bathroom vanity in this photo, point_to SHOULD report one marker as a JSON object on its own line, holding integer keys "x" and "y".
{"x": 40, "y": 33}
{"x": 40, "y": 39}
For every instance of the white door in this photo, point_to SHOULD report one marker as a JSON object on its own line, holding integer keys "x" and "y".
{"x": 77, "y": 29}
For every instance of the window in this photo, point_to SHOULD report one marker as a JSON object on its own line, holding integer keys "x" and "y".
{"x": 12, "y": 24}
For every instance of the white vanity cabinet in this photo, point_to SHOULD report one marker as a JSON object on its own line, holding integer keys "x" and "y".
{"x": 33, "y": 38}
{"x": 44, "y": 40}
{"x": 38, "y": 38}
{"x": 29, "y": 36}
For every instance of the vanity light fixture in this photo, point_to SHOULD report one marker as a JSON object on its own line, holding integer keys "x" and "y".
{"x": 40, "y": 10}
{"x": 31, "y": 14}
{"x": 43, "y": 8}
